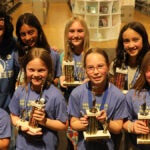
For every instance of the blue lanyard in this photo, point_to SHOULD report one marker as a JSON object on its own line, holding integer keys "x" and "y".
{"x": 27, "y": 93}
{"x": 103, "y": 100}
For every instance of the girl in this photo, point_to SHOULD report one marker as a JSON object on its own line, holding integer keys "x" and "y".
{"x": 108, "y": 99}
{"x": 30, "y": 34}
{"x": 76, "y": 40}
{"x": 136, "y": 97}
{"x": 76, "y": 43}
{"x": 38, "y": 86}
{"x": 131, "y": 48}
{"x": 9, "y": 66}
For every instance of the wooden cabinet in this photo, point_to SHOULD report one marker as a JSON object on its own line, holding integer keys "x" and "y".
{"x": 103, "y": 17}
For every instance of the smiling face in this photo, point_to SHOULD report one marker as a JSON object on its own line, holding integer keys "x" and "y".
{"x": 76, "y": 34}
{"x": 36, "y": 71}
{"x": 96, "y": 69}
{"x": 132, "y": 42}
{"x": 28, "y": 35}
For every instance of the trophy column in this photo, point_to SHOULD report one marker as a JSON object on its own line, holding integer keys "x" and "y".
{"x": 144, "y": 115}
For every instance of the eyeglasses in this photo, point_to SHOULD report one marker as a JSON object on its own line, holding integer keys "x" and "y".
{"x": 91, "y": 69}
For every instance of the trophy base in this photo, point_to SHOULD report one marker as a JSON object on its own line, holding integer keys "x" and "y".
{"x": 74, "y": 83}
{"x": 124, "y": 91}
{"x": 98, "y": 135}
{"x": 26, "y": 124}
{"x": 143, "y": 141}
{"x": 144, "y": 117}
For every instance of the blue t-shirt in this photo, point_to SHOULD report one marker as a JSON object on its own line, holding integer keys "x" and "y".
{"x": 9, "y": 69}
{"x": 116, "y": 109}
{"x": 5, "y": 124}
{"x": 134, "y": 101}
{"x": 56, "y": 63}
{"x": 55, "y": 107}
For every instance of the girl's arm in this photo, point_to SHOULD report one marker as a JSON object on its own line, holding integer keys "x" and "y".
{"x": 24, "y": 128}
{"x": 55, "y": 125}
{"x": 79, "y": 124}
{"x": 115, "y": 126}
{"x": 14, "y": 120}
{"x": 4, "y": 143}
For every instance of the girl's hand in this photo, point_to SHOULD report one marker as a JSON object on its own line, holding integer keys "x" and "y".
{"x": 84, "y": 122}
{"x": 62, "y": 79}
{"x": 102, "y": 116}
{"x": 40, "y": 116}
{"x": 140, "y": 127}
{"x": 28, "y": 131}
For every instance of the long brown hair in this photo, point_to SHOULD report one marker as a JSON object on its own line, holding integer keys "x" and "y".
{"x": 141, "y": 82}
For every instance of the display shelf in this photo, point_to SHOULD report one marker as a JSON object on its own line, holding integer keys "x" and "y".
{"x": 10, "y": 5}
{"x": 143, "y": 6}
{"x": 103, "y": 17}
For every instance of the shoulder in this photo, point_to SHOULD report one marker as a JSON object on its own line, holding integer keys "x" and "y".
{"x": 133, "y": 94}
{"x": 3, "y": 115}
{"x": 53, "y": 92}
{"x": 115, "y": 91}
{"x": 3, "y": 112}
{"x": 20, "y": 89}
{"x": 62, "y": 54}
{"x": 53, "y": 52}
{"x": 62, "y": 57}
{"x": 79, "y": 89}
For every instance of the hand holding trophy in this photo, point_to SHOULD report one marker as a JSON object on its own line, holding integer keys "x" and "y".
{"x": 32, "y": 124}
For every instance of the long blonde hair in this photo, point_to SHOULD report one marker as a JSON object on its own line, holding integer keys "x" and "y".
{"x": 68, "y": 48}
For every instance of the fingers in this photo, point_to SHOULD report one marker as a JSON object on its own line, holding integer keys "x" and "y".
{"x": 84, "y": 122}
{"x": 102, "y": 116}
{"x": 139, "y": 127}
{"x": 40, "y": 116}
{"x": 33, "y": 134}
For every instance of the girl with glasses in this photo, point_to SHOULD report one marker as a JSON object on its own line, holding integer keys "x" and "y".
{"x": 101, "y": 94}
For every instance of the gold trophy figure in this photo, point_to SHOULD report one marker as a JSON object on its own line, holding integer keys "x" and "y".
{"x": 144, "y": 115}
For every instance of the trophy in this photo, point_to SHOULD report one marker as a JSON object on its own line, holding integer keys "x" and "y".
{"x": 144, "y": 115}
{"x": 120, "y": 78}
{"x": 69, "y": 71}
{"x": 32, "y": 124}
{"x": 93, "y": 132}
